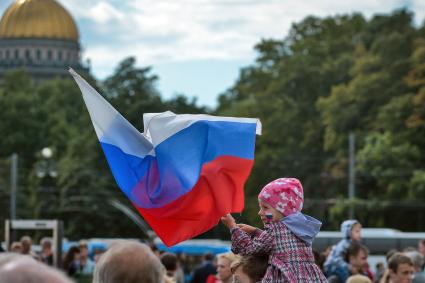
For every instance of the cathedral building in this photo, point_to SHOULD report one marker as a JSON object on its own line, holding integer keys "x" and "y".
{"x": 41, "y": 37}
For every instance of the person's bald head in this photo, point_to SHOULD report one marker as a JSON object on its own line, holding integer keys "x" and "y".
{"x": 128, "y": 262}
{"x": 5, "y": 258}
{"x": 30, "y": 271}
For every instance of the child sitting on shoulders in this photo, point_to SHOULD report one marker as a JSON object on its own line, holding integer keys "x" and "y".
{"x": 287, "y": 236}
{"x": 335, "y": 264}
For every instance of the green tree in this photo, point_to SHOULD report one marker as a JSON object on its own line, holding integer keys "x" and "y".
{"x": 132, "y": 91}
{"x": 282, "y": 89}
{"x": 21, "y": 132}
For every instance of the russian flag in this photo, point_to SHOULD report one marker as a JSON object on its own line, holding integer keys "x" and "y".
{"x": 184, "y": 172}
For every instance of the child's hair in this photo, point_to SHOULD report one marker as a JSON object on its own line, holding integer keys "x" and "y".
{"x": 253, "y": 266}
{"x": 284, "y": 194}
{"x": 356, "y": 224}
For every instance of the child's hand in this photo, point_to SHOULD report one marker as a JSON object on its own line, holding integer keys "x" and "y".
{"x": 229, "y": 221}
{"x": 247, "y": 228}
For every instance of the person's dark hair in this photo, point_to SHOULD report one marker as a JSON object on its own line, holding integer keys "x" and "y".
{"x": 390, "y": 253}
{"x": 253, "y": 266}
{"x": 69, "y": 257}
{"x": 208, "y": 256}
{"x": 169, "y": 260}
{"x": 153, "y": 247}
{"x": 354, "y": 250}
{"x": 319, "y": 258}
{"x": 397, "y": 259}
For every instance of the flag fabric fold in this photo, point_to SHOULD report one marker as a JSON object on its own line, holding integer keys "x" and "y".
{"x": 184, "y": 172}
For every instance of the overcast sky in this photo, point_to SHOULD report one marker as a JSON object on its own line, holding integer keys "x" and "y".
{"x": 197, "y": 47}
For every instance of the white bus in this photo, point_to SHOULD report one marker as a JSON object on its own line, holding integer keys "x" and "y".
{"x": 378, "y": 240}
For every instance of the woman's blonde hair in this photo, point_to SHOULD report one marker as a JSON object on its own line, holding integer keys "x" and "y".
{"x": 229, "y": 256}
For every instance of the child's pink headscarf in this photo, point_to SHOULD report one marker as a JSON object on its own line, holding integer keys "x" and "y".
{"x": 284, "y": 194}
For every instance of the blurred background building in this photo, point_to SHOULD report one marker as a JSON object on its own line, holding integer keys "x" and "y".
{"x": 41, "y": 37}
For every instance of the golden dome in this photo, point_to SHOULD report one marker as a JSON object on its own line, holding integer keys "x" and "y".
{"x": 38, "y": 19}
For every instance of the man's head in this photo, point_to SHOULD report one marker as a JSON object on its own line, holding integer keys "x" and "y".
{"x": 129, "y": 262}
{"x": 46, "y": 245}
{"x": 29, "y": 271}
{"x": 170, "y": 262}
{"x": 84, "y": 249}
{"x": 401, "y": 268}
{"x": 208, "y": 257}
{"x": 417, "y": 260}
{"x": 5, "y": 258}
{"x": 26, "y": 243}
{"x": 357, "y": 256}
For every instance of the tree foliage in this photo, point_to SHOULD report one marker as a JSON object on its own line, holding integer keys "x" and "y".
{"x": 328, "y": 78}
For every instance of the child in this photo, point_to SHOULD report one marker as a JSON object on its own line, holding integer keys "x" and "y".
{"x": 249, "y": 269}
{"x": 287, "y": 237}
{"x": 335, "y": 263}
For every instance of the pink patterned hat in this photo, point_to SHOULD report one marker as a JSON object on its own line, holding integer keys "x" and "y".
{"x": 284, "y": 194}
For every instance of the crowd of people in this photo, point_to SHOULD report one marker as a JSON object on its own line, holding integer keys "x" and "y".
{"x": 280, "y": 252}
{"x": 131, "y": 261}
{"x": 347, "y": 261}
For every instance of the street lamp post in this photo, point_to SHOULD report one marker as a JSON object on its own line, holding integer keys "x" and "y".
{"x": 45, "y": 170}
{"x": 13, "y": 189}
{"x": 13, "y": 184}
{"x": 46, "y": 166}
